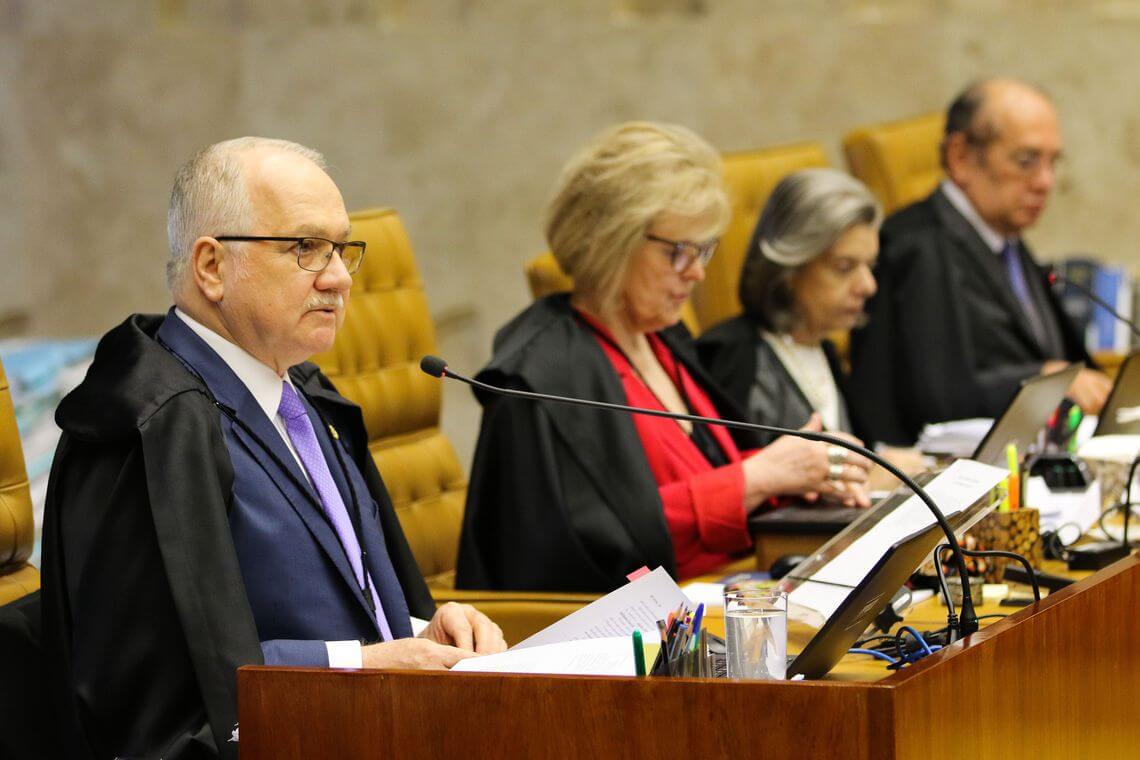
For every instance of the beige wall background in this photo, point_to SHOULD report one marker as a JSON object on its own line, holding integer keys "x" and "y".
{"x": 460, "y": 113}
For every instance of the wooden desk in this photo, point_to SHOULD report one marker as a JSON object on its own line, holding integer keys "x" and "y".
{"x": 1053, "y": 680}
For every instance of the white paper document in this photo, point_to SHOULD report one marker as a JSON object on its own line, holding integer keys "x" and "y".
{"x": 958, "y": 438}
{"x": 708, "y": 594}
{"x": 1057, "y": 508}
{"x": 953, "y": 490}
{"x": 636, "y": 605}
{"x": 611, "y": 656}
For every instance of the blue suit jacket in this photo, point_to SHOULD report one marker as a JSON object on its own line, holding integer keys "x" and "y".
{"x": 298, "y": 579}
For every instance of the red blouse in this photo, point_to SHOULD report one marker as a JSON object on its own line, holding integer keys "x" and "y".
{"x": 704, "y": 505}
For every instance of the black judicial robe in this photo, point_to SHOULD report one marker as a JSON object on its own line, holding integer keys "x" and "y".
{"x": 145, "y": 616}
{"x": 736, "y": 358}
{"x": 946, "y": 337}
{"x": 561, "y": 497}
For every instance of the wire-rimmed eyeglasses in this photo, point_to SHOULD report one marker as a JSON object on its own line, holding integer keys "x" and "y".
{"x": 313, "y": 253}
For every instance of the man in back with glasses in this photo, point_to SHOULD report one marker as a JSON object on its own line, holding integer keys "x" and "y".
{"x": 213, "y": 501}
{"x": 963, "y": 313}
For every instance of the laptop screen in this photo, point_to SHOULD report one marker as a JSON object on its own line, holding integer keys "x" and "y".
{"x": 1121, "y": 413}
{"x": 1026, "y": 416}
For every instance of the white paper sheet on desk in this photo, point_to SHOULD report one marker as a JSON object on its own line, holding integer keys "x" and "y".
{"x": 956, "y": 488}
{"x": 959, "y": 438}
{"x": 638, "y": 604}
{"x": 611, "y": 656}
{"x": 1057, "y": 508}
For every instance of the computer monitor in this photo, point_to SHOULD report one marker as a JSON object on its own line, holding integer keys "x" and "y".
{"x": 864, "y": 603}
{"x": 1121, "y": 413}
{"x": 1026, "y": 416}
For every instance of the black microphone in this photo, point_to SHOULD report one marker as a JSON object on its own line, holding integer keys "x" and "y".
{"x": 437, "y": 367}
{"x": 1056, "y": 277}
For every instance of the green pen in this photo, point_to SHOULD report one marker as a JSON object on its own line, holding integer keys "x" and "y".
{"x": 1074, "y": 422}
{"x": 638, "y": 653}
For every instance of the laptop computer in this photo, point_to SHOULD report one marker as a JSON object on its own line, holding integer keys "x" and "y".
{"x": 1121, "y": 413}
{"x": 864, "y": 603}
{"x": 1026, "y": 416}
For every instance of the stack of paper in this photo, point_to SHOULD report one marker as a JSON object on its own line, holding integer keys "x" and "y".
{"x": 595, "y": 640}
{"x": 957, "y": 438}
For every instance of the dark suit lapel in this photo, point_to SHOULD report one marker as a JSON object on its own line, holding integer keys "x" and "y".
{"x": 989, "y": 264}
{"x": 260, "y": 438}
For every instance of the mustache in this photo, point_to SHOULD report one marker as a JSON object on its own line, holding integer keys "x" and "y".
{"x": 324, "y": 300}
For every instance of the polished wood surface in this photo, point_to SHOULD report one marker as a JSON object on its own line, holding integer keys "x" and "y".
{"x": 1052, "y": 680}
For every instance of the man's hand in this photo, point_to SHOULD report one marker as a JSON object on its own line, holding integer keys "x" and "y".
{"x": 412, "y": 654}
{"x": 1089, "y": 390}
{"x": 463, "y": 626}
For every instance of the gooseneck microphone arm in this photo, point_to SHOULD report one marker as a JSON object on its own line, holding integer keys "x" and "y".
{"x": 437, "y": 367}
{"x": 1055, "y": 277}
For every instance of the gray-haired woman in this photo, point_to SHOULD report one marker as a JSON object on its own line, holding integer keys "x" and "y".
{"x": 807, "y": 274}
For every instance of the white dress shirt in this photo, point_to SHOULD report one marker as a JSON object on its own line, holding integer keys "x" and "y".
{"x": 993, "y": 240}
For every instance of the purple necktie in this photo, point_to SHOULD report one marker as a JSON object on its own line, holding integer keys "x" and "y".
{"x": 304, "y": 438}
{"x": 1012, "y": 259}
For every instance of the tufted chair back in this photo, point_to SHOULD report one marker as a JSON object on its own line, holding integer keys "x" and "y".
{"x": 750, "y": 177}
{"x": 17, "y": 531}
{"x": 898, "y": 160}
{"x": 375, "y": 363}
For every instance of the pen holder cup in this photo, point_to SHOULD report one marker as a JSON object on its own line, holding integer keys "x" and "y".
{"x": 954, "y": 586}
{"x": 1018, "y": 532}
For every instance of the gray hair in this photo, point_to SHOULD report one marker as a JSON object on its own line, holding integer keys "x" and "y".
{"x": 210, "y": 197}
{"x": 806, "y": 214}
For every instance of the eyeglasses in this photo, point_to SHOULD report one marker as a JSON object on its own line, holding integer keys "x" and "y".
{"x": 313, "y": 253}
{"x": 1027, "y": 161}
{"x": 684, "y": 253}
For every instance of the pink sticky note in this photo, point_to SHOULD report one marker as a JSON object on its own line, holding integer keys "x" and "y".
{"x": 643, "y": 570}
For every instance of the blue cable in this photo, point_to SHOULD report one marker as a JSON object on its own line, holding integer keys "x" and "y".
{"x": 918, "y": 637}
{"x": 874, "y": 653}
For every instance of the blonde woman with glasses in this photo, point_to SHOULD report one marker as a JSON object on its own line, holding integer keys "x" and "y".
{"x": 567, "y": 498}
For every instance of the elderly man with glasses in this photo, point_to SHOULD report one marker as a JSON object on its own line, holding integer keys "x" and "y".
{"x": 213, "y": 502}
{"x": 963, "y": 313}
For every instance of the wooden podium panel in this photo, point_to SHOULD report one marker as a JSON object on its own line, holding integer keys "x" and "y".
{"x": 1054, "y": 680}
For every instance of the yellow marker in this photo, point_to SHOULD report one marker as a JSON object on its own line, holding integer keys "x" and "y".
{"x": 335, "y": 435}
{"x": 1013, "y": 489}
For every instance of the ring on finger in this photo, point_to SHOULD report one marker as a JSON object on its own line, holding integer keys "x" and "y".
{"x": 834, "y": 471}
{"x": 836, "y": 454}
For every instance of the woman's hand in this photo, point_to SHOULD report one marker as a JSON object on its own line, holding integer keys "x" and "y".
{"x": 811, "y": 469}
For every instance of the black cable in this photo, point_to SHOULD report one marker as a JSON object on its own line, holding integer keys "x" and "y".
{"x": 1109, "y": 511}
{"x": 987, "y": 553}
{"x": 1124, "y": 506}
{"x": 968, "y": 622}
{"x": 1054, "y": 547}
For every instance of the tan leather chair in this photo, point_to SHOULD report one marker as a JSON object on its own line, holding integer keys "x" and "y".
{"x": 898, "y": 160}
{"x": 375, "y": 363}
{"x": 750, "y": 176}
{"x": 17, "y": 530}
{"x": 545, "y": 276}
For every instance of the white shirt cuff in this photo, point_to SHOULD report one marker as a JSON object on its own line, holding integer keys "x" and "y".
{"x": 345, "y": 654}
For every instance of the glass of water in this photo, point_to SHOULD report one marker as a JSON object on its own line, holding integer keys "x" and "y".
{"x": 756, "y": 633}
